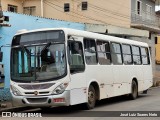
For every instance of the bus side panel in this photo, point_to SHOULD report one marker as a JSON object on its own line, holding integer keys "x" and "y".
{"x": 139, "y": 76}
{"x": 104, "y": 77}
{"x": 122, "y": 79}
{"x": 123, "y": 76}
{"x": 78, "y": 90}
{"x": 147, "y": 76}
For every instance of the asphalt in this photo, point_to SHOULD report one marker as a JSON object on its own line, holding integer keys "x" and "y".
{"x": 10, "y": 108}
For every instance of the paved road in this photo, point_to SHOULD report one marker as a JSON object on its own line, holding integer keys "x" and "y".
{"x": 149, "y": 102}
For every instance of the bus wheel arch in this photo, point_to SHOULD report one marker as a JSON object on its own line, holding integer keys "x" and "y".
{"x": 134, "y": 89}
{"x": 93, "y": 95}
{"x": 97, "y": 90}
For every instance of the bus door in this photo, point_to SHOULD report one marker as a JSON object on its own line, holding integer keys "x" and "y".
{"x": 77, "y": 74}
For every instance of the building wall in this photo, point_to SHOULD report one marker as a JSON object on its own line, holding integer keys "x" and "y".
{"x": 157, "y": 74}
{"x": 146, "y": 16}
{"x": 99, "y": 11}
{"x": 18, "y": 22}
{"x": 35, "y": 3}
{"x": 144, "y": 2}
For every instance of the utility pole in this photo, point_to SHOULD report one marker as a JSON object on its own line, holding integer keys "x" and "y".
{"x": 42, "y": 11}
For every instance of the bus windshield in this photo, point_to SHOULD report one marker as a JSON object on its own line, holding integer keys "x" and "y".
{"x": 38, "y": 62}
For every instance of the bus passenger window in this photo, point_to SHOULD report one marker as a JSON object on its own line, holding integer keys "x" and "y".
{"x": 136, "y": 55}
{"x": 104, "y": 55}
{"x": 76, "y": 60}
{"x": 145, "y": 56}
{"x": 90, "y": 51}
{"x": 127, "y": 56}
{"x": 116, "y": 53}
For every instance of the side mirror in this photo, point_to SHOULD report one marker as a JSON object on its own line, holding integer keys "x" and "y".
{"x": 1, "y": 56}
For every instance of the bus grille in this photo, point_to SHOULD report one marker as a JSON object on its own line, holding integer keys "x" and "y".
{"x": 37, "y": 100}
{"x": 37, "y": 86}
{"x": 32, "y": 93}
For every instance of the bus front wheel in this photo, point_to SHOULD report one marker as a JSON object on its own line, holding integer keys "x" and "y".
{"x": 91, "y": 98}
{"x": 134, "y": 90}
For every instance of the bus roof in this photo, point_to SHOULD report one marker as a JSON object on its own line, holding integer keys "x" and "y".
{"x": 87, "y": 34}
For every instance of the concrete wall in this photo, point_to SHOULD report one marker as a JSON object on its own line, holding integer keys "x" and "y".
{"x": 20, "y": 21}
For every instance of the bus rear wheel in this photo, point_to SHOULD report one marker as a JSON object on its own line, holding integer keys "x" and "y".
{"x": 91, "y": 98}
{"x": 134, "y": 91}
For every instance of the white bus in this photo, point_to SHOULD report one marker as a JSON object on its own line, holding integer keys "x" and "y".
{"x": 63, "y": 67}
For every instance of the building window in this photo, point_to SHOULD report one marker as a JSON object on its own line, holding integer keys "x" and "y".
{"x": 84, "y": 5}
{"x": 66, "y": 7}
{"x": 138, "y": 7}
{"x": 12, "y": 8}
{"x": 30, "y": 10}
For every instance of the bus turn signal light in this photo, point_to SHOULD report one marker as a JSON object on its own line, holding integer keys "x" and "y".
{"x": 59, "y": 100}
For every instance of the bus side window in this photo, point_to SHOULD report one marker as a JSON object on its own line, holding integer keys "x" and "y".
{"x": 90, "y": 51}
{"x": 145, "y": 56}
{"x": 103, "y": 50}
{"x": 76, "y": 59}
{"x": 136, "y": 55}
{"x": 127, "y": 55}
{"x": 116, "y": 53}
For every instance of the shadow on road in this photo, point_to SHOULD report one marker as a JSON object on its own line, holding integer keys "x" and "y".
{"x": 116, "y": 100}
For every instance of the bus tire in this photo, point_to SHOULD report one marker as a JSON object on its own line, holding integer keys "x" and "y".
{"x": 134, "y": 91}
{"x": 91, "y": 98}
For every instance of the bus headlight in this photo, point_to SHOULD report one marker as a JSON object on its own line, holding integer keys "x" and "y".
{"x": 15, "y": 91}
{"x": 60, "y": 89}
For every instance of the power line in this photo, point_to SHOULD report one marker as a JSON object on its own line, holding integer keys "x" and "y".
{"x": 95, "y": 8}
{"x": 104, "y": 10}
{"x": 62, "y": 11}
{"x": 85, "y": 16}
{"x": 76, "y": 13}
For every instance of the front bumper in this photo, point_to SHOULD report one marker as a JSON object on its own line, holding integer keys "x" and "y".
{"x": 41, "y": 101}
